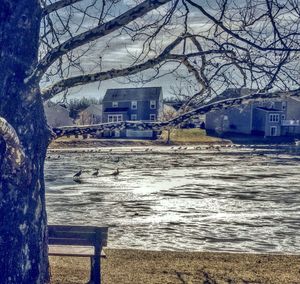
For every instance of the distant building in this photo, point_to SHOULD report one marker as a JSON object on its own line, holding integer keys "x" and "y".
{"x": 278, "y": 117}
{"x": 57, "y": 115}
{"x": 91, "y": 115}
{"x": 132, "y": 104}
{"x": 291, "y": 122}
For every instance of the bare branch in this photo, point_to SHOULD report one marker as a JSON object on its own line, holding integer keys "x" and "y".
{"x": 239, "y": 37}
{"x": 93, "y": 34}
{"x": 115, "y": 73}
{"x": 236, "y": 35}
{"x": 157, "y": 126}
{"x": 58, "y": 5}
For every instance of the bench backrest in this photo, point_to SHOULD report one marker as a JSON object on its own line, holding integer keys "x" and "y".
{"x": 77, "y": 235}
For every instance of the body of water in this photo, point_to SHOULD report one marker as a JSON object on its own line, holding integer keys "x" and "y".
{"x": 242, "y": 199}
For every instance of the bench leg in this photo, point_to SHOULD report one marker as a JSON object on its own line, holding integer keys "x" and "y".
{"x": 95, "y": 277}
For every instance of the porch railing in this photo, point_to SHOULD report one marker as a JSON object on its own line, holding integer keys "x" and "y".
{"x": 290, "y": 122}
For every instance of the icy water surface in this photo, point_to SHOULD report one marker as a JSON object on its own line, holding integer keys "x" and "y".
{"x": 199, "y": 198}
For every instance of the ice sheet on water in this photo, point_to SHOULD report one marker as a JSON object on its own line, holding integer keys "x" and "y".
{"x": 235, "y": 199}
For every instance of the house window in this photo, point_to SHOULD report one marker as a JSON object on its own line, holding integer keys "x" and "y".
{"x": 115, "y": 117}
{"x": 115, "y": 104}
{"x": 133, "y": 117}
{"x": 282, "y": 117}
{"x": 152, "y": 117}
{"x": 274, "y": 117}
{"x": 283, "y": 105}
{"x": 133, "y": 104}
{"x": 153, "y": 104}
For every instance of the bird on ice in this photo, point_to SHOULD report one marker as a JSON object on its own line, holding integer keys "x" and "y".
{"x": 78, "y": 174}
{"x": 116, "y": 172}
{"x": 95, "y": 173}
{"x": 76, "y": 177}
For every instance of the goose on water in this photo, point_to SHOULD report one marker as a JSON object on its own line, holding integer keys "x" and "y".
{"x": 95, "y": 173}
{"x": 76, "y": 177}
{"x": 78, "y": 174}
{"x": 116, "y": 172}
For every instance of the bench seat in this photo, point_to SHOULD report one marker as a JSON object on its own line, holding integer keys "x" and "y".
{"x": 83, "y": 251}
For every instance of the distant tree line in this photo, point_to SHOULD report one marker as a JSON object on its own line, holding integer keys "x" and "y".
{"x": 77, "y": 105}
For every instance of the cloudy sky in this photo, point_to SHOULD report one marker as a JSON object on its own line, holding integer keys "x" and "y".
{"x": 123, "y": 47}
{"x": 120, "y": 49}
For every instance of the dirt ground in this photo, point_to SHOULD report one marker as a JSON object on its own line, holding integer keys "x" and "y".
{"x": 145, "y": 267}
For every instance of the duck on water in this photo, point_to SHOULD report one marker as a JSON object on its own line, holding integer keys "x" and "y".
{"x": 78, "y": 177}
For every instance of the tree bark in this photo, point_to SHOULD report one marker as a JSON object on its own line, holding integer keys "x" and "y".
{"x": 24, "y": 139}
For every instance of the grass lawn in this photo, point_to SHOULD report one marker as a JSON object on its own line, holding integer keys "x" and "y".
{"x": 178, "y": 136}
{"x": 193, "y": 135}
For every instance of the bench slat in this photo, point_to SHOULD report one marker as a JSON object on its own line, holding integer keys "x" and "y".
{"x": 72, "y": 235}
{"x": 77, "y": 235}
{"x": 85, "y": 251}
{"x": 70, "y": 241}
{"x": 77, "y": 228}
{"x": 71, "y": 250}
{"x": 75, "y": 241}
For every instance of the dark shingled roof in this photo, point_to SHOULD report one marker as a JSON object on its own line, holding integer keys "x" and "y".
{"x": 136, "y": 94}
{"x": 116, "y": 109}
{"x": 269, "y": 109}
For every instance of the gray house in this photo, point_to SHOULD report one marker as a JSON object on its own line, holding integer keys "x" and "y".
{"x": 132, "y": 104}
{"x": 57, "y": 115}
{"x": 291, "y": 122}
{"x": 91, "y": 115}
{"x": 279, "y": 117}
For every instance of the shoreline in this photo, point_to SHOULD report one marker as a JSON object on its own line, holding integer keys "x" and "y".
{"x": 130, "y": 266}
{"x": 94, "y": 143}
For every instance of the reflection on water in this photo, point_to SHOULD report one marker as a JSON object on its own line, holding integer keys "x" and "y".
{"x": 227, "y": 199}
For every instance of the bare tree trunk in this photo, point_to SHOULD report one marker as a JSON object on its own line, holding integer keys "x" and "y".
{"x": 169, "y": 136}
{"x": 23, "y": 143}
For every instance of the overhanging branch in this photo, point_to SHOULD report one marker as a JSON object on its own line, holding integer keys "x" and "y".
{"x": 58, "y": 5}
{"x": 115, "y": 73}
{"x": 157, "y": 126}
{"x": 93, "y": 34}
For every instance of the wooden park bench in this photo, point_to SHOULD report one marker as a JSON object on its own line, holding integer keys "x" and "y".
{"x": 81, "y": 241}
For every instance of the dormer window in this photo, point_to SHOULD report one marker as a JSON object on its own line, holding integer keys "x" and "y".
{"x": 115, "y": 104}
{"x": 152, "y": 104}
{"x": 133, "y": 104}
